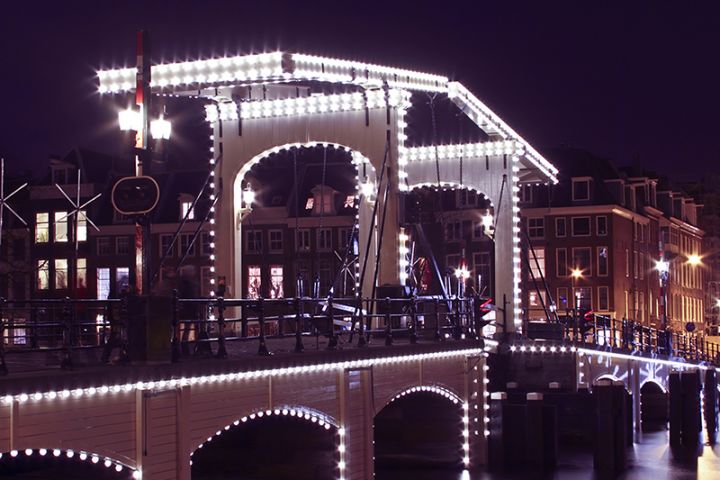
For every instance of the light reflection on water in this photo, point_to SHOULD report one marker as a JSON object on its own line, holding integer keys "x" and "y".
{"x": 651, "y": 458}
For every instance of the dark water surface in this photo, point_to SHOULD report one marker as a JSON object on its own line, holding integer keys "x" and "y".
{"x": 650, "y": 459}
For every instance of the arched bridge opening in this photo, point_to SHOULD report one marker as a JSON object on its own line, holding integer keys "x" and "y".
{"x": 420, "y": 429}
{"x": 654, "y": 406}
{"x": 288, "y": 442}
{"x": 51, "y": 464}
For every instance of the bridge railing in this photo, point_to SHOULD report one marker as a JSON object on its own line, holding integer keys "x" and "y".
{"x": 219, "y": 320}
{"x": 58, "y": 325}
{"x": 600, "y": 330}
{"x": 206, "y": 325}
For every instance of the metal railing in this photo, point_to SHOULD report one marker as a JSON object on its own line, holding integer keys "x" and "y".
{"x": 604, "y": 331}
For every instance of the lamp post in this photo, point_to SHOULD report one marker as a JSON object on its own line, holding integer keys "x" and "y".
{"x": 575, "y": 275}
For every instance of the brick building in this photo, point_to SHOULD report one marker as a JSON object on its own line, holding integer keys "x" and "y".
{"x": 610, "y": 227}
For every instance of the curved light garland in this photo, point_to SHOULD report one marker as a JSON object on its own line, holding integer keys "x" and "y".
{"x": 81, "y": 455}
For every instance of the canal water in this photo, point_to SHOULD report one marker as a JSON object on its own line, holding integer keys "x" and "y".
{"x": 649, "y": 459}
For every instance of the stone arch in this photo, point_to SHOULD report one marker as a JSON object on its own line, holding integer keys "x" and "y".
{"x": 454, "y": 398}
{"x": 654, "y": 404}
{"x": 610, "y": 376}
{"x": 312, "y": 416}
{"x": 123, "y": 469}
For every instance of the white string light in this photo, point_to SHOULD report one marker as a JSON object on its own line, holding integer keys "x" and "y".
{"x": 82, "y": 455}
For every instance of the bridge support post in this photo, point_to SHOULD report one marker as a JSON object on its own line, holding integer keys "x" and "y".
{"x": 356, "y": 424}
{"x": 634, "y": 382}
{"x": 474, "y": 432}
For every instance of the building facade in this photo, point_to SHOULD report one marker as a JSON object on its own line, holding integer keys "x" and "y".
{"x": 595, "y": 241}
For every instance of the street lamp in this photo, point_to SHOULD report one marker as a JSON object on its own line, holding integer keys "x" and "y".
{"x": 575, "y": 275}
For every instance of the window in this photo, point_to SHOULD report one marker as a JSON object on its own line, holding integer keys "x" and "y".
{"x": 186, "y": 209}
{"x": 602, "y": 261}
{"x": 580, "y": 226}
{"x": 561, "y": 262}
{"x": 627, "y": 263}
{"x": 103, "y": 246}
{"x": 560, "y": 227}
{"x": 103, "y": 283}
{"x": 453, "y": 231}
{"x": 165, "y": 241}
{"x": 325, "y": 276}
{"x": 205, "y": 244}
{"x": 42, "y": 228}
{"x": 122, "y": 279}
{"x": 603, "y": 299}
{"x": 81, "y": 226}
{"x": 61, "y": 273}
{"x": 635, "y": 264}
{"x": 580, "y": 190}
{"x": 310, "y": 203}
{"x": 349, "y": 202}
{"x": 641, "y": 306}
{"x": 254, "y": 282}
{"x": 536, "y": 300}
{"x": 641, "y": 232}
{"x": 276, "y": 281}
{"x": 303, "y": 240}
{"x": 185, "y": 239}
{"x": 324, "y": 239}
{"x": 43, "y": 274}
{"x": 537, "y": 268}
{"x": 344, "y": 237}
{"x": 526, "y": 193}
{"x": 641, "y": 265}
{"x": 583, "y": 296}
{"x": 275, "y": 240}
{"x": 81, "y": 273}
{"x": 562, "y": 298}
{"x": 122, "y": 245}
{"x": 582, "y": 260}
{"x": 467, "y": 199}
{"x": 254, "y": 239}
{"x": 483, "y": 271}
{"x": 61, "y": 227}
{"x": 601, "y": 225}
{"x": 536, "y": 227}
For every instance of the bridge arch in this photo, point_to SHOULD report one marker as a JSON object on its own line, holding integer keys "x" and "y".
{"x": 117, "y": 468}
{"x": 366, "y": 191}
{"x": 310, "y": 416}
{"x": 461, "y": 407}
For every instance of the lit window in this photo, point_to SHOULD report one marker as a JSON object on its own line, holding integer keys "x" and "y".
{"x": 61, "y": 227}
{"x": 344, "y": 237}
{"x": 254, "y": 282}
{"x": 276, "y": 281}
{"x": 536, "y": 227}
{"x": 526, "y": 193}
{"x": 42, "y": 227}
{"x": 453, "y": 231}
{"x": 103, "y": 283}
{"x": 103, "y": 246}
{"x": 43, "y": 274}
{"x": 122, "y": 245}
{"x": 580, "y": 190}
{"x": 324, "y": 239}
{"x": 254, "y": 240}
{"x": 81, "y": 227}
{"x": 583, "y": 297}
{"x": 122, "y": 279}
{"x": 275, "y": 240}
{"x": 536, "y": 299}
{"x": 310, "y": 203}
{"x": 81, "y": 274}
{"x": 61, "y": 273}
{"x": 186, "y": 209}
{"x": 627, "y": 263}
{"x": 537, "y": 267}
{"x": 303, "y": 240}
{"x": 483, "y": 272}
{"x": 349, "y": 201}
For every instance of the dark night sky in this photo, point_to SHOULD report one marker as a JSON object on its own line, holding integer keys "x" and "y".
{"x": 623, "y": 81}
